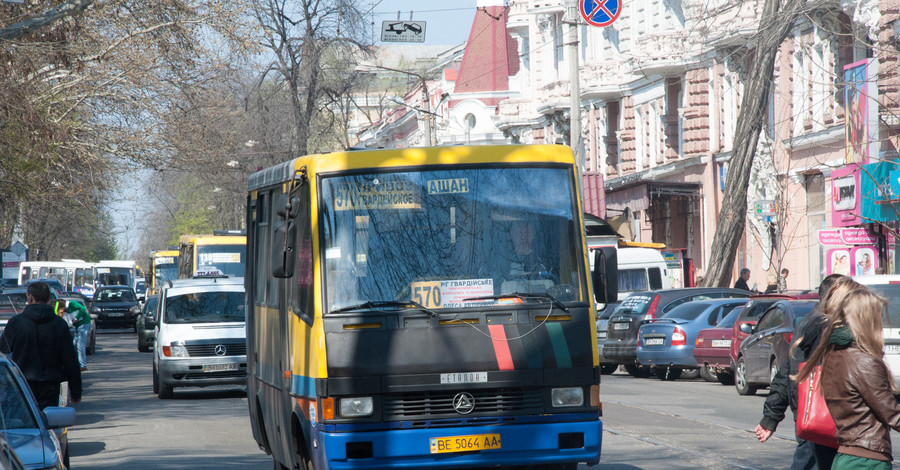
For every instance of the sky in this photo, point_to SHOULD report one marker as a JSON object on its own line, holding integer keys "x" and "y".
{"x": 446, "y": 22}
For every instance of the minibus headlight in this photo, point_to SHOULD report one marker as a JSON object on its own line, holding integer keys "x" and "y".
{"x": 356, "y": 406}
{"x": 572, "y": 396}
{"x": 175, "y": 350}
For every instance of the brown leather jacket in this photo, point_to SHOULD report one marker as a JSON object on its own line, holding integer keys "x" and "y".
{"x": 859, "y": 397}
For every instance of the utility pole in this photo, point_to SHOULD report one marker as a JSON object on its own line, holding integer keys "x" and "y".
{"x": 575, "y": 140}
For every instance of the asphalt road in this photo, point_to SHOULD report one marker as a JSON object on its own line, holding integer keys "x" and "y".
{"x": 648, "y": 424}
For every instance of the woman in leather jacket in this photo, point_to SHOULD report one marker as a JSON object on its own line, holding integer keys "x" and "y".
{"x": 857, "y": 384}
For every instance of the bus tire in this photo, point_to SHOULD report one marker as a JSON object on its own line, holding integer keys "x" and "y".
{"x": 301, "y": 451}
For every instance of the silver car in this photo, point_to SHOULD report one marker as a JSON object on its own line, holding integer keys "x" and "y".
{"x": 40, "y": 442}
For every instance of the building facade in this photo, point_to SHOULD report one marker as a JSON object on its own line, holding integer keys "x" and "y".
{"x": 661, "y": 91}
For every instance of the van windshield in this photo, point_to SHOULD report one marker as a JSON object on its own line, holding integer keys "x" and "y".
{"x": 205, "y": 307}
{"x": 891, "y": 292}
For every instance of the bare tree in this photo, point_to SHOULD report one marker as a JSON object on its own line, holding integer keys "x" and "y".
{"x": 777, "y": 21}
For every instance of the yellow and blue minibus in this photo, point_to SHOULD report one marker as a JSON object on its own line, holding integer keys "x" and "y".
{"x": 423, "y": 307}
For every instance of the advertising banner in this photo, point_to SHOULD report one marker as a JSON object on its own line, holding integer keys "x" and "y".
{"x": 865, "y": 261}
{"x": 876, "y": 193}
{"x": 861, "y": 105}
{"x": 845, "y": 196}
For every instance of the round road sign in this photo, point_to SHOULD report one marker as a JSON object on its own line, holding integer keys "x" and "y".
{"x": 600, "y": 12}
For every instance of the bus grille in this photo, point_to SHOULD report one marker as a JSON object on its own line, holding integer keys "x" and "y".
{"x": 231, "y": 349}
{"x": 437, "y": 405}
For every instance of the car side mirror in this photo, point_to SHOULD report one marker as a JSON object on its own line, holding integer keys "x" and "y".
{"x": 150, "y": 321}
{"x": 56, "y": 417}
{"x": 746, "y": 328}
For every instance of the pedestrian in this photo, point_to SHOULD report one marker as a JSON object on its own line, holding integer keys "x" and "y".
{"x": 855, "y": 381}
{"x": 783, "y": 391}
{"x": 741, "y": 283}
{"x": 81, "y": 321}
{"x": 39, "y": 342}
{"x": 782, "y": 280}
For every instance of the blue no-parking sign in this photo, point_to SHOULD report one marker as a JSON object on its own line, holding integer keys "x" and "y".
{"x": 600, "y": 12}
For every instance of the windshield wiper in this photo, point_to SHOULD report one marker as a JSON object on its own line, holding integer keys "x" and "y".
{"x": 375, "y": 304}
{"x": 523, "y": 295}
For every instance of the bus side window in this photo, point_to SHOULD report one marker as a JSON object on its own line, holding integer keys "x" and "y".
{"x": 274, "y": 284}
{"x": 655, "y": 278}
{"x": 302, "y": 297}
{"x": 262, "y": 242}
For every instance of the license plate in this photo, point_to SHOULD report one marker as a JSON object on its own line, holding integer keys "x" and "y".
{"x": 721, "y": 343}
{"x": 654, "y": 341}
{"x": 892, "y": 348}
{"x": 115, "y": 314}
{"x": 220, "y": 367}
{"x": 621, "y": 326}
{"x": 473, "y": 443}
{"x": 601, "y": 334}
{"x": 464, "y": 378}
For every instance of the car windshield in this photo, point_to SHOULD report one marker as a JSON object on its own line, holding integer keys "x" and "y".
{"x": 205, "y": 307}
{"x": 150, "y": 304}
{"x": 114, "y": 295}
{"x": 12, "y": 302}
{"x": 891, "y": 292}
{"x": 15, "y": 411}
{"x": 729, "y": 319}
{"x": 439, "y": 237}
{"x": 688, "y": 311}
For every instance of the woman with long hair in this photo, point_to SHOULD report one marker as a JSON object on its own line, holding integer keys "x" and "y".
{"x": 856, "y": 383}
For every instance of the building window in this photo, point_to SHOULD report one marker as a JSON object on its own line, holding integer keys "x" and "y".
{"x": 612, "y": 136}
{"x": 672, "y": 118}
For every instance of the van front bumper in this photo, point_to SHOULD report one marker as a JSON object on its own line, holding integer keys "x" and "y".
{"x": 203, "y": 371}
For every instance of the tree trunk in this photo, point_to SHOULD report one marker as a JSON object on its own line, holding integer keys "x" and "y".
{"x": 776, "y": 23}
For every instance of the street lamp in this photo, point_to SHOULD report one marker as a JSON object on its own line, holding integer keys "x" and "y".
{"x": 425, "y": 100}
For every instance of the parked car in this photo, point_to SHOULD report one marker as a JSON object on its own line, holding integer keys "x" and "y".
{"x": 140, "y": 290}
{"x": 607, "y": 366}
{"x": 755, "y": 308}
{"x": 38, "y": 437}
{"x": 767, "y": 344}
{"x": 712, "y": 349}
{"x": 144, "y": 324}
{"x": 91, "y": 345}
{"x": 667, "y": 343}
{"x": 115, "y": 305}
{"x": 12, "y": 302}
{"x": 200, "y": 335}
{"x": 52, "y": 282}
{"x": 622, "y": 332}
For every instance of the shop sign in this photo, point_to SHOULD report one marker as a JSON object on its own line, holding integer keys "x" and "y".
{"x": 875, "y": 190}
{"x": 830, "y": 238}
{"x": 858, "y": 236}
{"x": 845, "y": 196}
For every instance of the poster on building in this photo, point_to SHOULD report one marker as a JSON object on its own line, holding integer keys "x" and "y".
{"x": 845, "y": 196}
{"x": 838, "y": 262}
{"x": 861, "y": 106}
{"x": 865, "y": 261}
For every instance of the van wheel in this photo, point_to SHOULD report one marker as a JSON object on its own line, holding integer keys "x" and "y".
{"x": 155, "y": 379}
{"x": 165, "y": 391}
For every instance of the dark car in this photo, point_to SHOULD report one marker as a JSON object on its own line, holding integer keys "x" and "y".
{"x": 115, "y": 305}
{"x": 622, "y": 331}
{"x": 144, "y": 322}
{"x": 667, "y": 343}
{"x": 768, "y": 344}
{"x": 12, "y": 302}
{"x": 755, "y": 308}
{"x": 603, "y": 314}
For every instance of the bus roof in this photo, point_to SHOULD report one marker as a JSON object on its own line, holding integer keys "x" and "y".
{"x": 214, "y": 240}
{"x": 466, "y": 154}
{"x": 161, "y": 253}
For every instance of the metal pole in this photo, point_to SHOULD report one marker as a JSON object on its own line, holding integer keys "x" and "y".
{"x": 575, "y": 140}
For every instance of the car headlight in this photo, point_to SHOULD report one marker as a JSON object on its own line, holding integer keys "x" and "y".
{"x": 356, "y": 407}
{"x": 96, "y": 310}
{"x": 572, "y": 396}
{"x": 175, "y": 350}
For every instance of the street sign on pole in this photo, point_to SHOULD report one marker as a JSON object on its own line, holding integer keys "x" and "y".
{"x": 402, "y": 31}
{"x": 600, "y": 12}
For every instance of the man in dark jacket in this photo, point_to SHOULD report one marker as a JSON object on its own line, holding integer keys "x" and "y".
{"x": 783, "y": 391}
{"x": 39, "y": 342}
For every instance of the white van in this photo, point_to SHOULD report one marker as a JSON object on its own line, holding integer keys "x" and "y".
{"x": 640, "y": 269}
{"x": 888, "y": 286}
{"x": 201, "y": 336}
